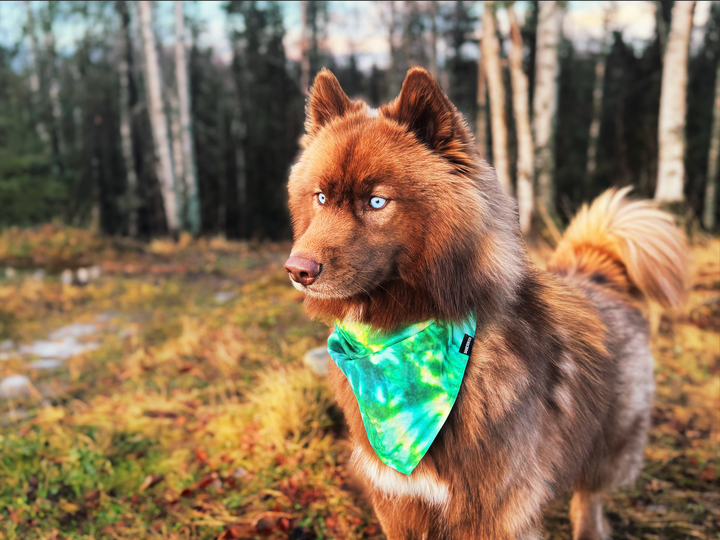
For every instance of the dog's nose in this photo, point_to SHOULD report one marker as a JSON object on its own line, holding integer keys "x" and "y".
{"x": 303, "y": 270}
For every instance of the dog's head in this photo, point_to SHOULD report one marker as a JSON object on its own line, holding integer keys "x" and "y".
{"x": 396, "y": 218}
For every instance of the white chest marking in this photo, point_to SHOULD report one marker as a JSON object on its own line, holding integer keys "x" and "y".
{"x": 392, "y": 483}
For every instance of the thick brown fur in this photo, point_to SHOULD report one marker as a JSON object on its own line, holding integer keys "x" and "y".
{"x": 557, "y": 392}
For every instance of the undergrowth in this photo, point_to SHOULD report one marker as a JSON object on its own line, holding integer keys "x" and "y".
{"x": 197, "y": 419}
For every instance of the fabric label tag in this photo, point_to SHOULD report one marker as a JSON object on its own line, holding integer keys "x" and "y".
{"x": 466, "y": 345}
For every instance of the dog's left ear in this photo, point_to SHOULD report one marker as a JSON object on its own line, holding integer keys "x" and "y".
{"x": 427, "y": 112}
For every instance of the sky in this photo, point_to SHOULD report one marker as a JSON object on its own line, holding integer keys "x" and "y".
{"x": 358, "y": 26}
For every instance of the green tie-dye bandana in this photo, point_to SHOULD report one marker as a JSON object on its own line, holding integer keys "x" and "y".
{"x": 405, "y": 382}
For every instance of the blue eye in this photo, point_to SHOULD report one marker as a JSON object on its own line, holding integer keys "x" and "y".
{"x": 377, "y": 202}
{"x": 321, "y": 198}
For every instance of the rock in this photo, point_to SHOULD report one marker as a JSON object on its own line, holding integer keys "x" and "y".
{"x": 95, "y": 272}
{"x": 73, "y": 330}
{"x": 66, "y": 277}
{"x": 83, "y": 276}
{"x": 223, "y": 296}
{"x": 317, "y": 360}
{"x": 45, "y": 363}
{"x": 14, "y": 385}
{"x": 6, "y": 345}
{"x": 39, "y": 274}
{"x": 61, "y": 348}
{"x": 9, "y": 272}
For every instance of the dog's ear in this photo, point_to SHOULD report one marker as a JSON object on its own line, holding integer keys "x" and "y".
{"x": 427, "y": 112}
{"x": 326, "y": 100}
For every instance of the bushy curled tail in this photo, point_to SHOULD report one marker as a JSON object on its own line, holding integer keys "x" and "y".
{"x": 629, "y": 245}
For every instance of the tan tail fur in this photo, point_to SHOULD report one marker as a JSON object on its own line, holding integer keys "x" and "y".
{"x": 631, "y": 245}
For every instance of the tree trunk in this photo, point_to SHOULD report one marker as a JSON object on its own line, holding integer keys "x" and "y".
{"x": 188, "y": 148}
{"x": 178, "y": 163}
{"x": 35, "y": 77}
{"x": 491, "y": 62}
{"x": 521, "y": 104}
{"x": 712, "y": 174}
{"x": 481, "y": 109}
{"x": 598, "y": 89}
{"x": 125, "y": 120}
{"x": 433, "y": 39}
{"x": 158, "y": 120}
{"x": 673, "y": 106}
{"x": 305, "y": 48}
{"x": 54, "y": 89}
{"x": 596, "y": 117}
{"x": 545, "y": 104}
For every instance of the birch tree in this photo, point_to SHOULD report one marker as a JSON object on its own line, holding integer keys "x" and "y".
{"x": 125, "y": 50}
{"x": 712, "y": 172}
{"x": 525, "y": 164}
{"x": 53, "y": 83}
{"x": 545, "y": 104}
{"x": 673, "y": 105}
{"x": 481, "y": 109}
{"x": 304, "y": 48}
{"x": 158, "y": 119}
{"x": 34, "y": 76}
{"x": 598, "y": 86}
{"x": 186, "y": 136}
{"x": 491, "y": 62}
{"x": 433, "y": 39}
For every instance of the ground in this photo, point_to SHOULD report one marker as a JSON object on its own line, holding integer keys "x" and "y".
{"x": 185, "y": 410}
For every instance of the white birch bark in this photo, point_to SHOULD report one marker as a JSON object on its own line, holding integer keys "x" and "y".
{"x": 158, "y": 119}
{"x": 712, "y": 173}
{"x": 433, "y": 39}
{"x": 596, "y": 117}
{"x": 545, "y": 104}
{"x": 54, "y": 90}
{"x": 598, "y": 89}
{"x": 178, "y": 165}
{"x": 521, "y": 104}
{"x": 34, "y": 76}
{"x": 481, "y": 109}
{"x": 673, "y": 106}
{"x": 491, "y": 62}
{"x": 304, "y": 48}
{"x": 126, "y": 123}
{"x": 188, "y": 148}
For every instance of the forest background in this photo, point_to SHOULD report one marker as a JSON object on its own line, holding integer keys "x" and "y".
{"x": 158, "y": 375}
{"x": 113, "y": 112}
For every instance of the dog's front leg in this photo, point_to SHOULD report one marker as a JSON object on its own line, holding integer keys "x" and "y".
{"x": 406, "y": 518}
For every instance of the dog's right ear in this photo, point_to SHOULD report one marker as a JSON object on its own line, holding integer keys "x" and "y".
{"x": 424, "y": 109}
{"x": 326, "y": 101}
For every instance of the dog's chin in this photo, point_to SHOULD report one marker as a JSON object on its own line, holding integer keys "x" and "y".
{"x": 313, "y": 291}
{"x": 325, "y": 291}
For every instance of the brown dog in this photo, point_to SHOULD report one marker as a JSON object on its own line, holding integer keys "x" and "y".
{"x": 558, "y": 389}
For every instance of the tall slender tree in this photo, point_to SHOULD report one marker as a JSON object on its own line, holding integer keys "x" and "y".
{"x": 673, "y": 105}
{"x": 433, "y": 38}
{"x": 545, "y": 104}
{"x": 53, "y": 84}
{"x": 34, "y": 76}
{"x": 124, "y": 55}
{"x": 598, "y": 95}
{"x": 158, "y": 120}
{"x": 498, "y": 123}
{"x": 481, "y": 109}
{"x": 521, "y": 104}
{"x": 304, "y": 47}
{"x": 709, "y": 208}
{"x": 186, "y": 137}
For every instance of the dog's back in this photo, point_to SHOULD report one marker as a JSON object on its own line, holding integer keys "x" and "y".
{"x": 619, "y": 253}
